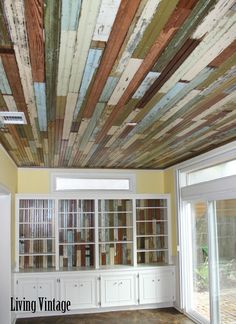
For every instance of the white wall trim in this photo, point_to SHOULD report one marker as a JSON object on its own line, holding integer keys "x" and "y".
{"x": 73, "y": 170}
{"x": 214, "y": 156}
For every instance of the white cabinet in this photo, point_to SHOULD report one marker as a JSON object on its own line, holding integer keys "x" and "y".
{"x": 118, "y": 289}
{"x": 157, "y": 286}
{"x": 81, "y": 291}
{"x": 30, "y": 288}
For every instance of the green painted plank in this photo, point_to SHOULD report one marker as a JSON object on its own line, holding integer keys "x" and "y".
{"x": 196, "y": 16}
{"x": 163, "y": 12}
{"x": 52, "y": 38}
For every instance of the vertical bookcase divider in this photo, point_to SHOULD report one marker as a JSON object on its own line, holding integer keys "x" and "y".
{"x": 96, "y": 221}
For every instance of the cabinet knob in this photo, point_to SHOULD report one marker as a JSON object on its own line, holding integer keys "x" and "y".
{"x": 40, "y": 287}
{"x": 120, "y": 283}
{"x": 75, "y": 285}
{"x": 34, "y": 287}
{"x": 153, "y": 280}
{"x": 158, "y": 280}
{"x": 115, "y": 283}
{"x": 81, "y": 285}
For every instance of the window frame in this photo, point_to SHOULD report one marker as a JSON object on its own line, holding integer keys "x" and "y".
{"x": 93, "y": 175}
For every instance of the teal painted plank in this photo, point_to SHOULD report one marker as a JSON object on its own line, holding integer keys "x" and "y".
{"x": 70, "y": 14}
{"x": 92, "y": 62}
{"x": 4, "y": 85}
{"x": 40, "y": 96}
{"x": 169, "y": 100}
{"x": 108, "y": 89}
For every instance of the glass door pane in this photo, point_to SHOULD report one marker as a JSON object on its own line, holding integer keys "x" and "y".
{"x": 199, "y": 282}
{"x": 226, "y": 241}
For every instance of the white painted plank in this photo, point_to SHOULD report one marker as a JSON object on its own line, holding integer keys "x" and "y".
{"x": 10, "y": 102}
{"x": 70, "y": 14}
{"x": 40, "y": 95}
{"x": 206, "y": 44}
{"x": 89, "y": 12}
{"x": 125, "y": 79}
{"x": 105, "y": 20}
{"x": 210, "y": 21}
{"x": 136, "y": 36}
{"x": 212, "y": 52}
{"x": 67, "y": 47}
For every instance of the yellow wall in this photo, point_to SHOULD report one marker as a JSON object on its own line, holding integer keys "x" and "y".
{"x": 8, "y": 171}
{"x": 169, "y": 185}
{"x": 8, "y": 178}
{"x": 38, "y": 181}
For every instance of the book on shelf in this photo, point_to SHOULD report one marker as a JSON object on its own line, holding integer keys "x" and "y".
{"x": 70, "y": 239}
{"x": 146, "y": 248}
{"x": 87, "y": 256}
{"x": 112, "y": 255}
{"x": 61, "y": 261}
{"x": 78, "y": 258}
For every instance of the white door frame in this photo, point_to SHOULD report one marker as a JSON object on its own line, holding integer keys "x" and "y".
{"x": 5, "y": 255}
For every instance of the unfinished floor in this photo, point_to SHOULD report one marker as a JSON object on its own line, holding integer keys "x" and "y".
{"x": 167, "y": 315}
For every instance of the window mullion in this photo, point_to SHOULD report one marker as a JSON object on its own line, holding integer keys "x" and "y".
{"x": 213, "y": 262}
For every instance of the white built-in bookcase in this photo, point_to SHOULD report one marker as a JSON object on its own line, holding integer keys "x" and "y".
{"x": 70, "y": 232}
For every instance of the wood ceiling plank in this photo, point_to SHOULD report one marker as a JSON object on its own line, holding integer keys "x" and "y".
{"x": 12, "y": 73}
{"x": 162, "y": 14}
{"x": 34, "y": 23}
{"x": 52, "y": 36}
{"x": 195, "y": 17}
{"x": 177, "y": 18}
{"x": 5, "y": 39}
{"x": 123, "y": 19}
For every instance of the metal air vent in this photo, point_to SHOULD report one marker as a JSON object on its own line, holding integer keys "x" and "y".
{"x": 17, "y": 118}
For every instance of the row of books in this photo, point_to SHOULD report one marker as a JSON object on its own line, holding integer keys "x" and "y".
{"x": 76, "y": 220}
{"x": 36, "y": 230}
{"x": 79, "y": 206}
{"x": 112, "y": 205}
{"x": 76, "y": 236}
{"x": 115, "y": 219}
{"x": 115, "y": 234}
{"x": 36, "y": 215}
{"x": 36, "y": 246}
{"x": 76, "y": 256}
{"x": 151, "y": 203}
{"x": 150, "y": 243}
{"x": 152, "y": 257}
{"x": 151, "y": 214}
{"x": 36, "y": 203}
{"x": 37, "y": 262}
{"x": 152, "y": 228}
{"x": 114, "y": 254}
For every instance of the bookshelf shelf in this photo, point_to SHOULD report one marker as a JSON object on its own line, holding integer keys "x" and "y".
{"x": 69, "y": 234}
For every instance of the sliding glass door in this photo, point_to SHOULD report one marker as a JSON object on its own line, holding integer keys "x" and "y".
{"x": 210, "y": 260}
{"x": 226, "y": 243}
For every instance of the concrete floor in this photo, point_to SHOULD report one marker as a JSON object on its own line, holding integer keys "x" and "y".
{"x": 151, "y": 316}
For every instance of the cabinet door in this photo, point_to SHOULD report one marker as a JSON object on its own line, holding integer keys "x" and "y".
{"x": 46, "y": 288}
{"x": 81, "y": 292}
{"x": 148, "y": 288}
{"x": 157, "y": 286}
{"x": 117, "y": 290}
{"x": 126, "y": 290}
{"x": 26, "y": 288}
{"x": 87, "y": 293}
{"x": 165, "y": 286}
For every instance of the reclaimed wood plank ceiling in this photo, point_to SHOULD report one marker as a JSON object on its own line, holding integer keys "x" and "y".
{"x": 117, "y": 83}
